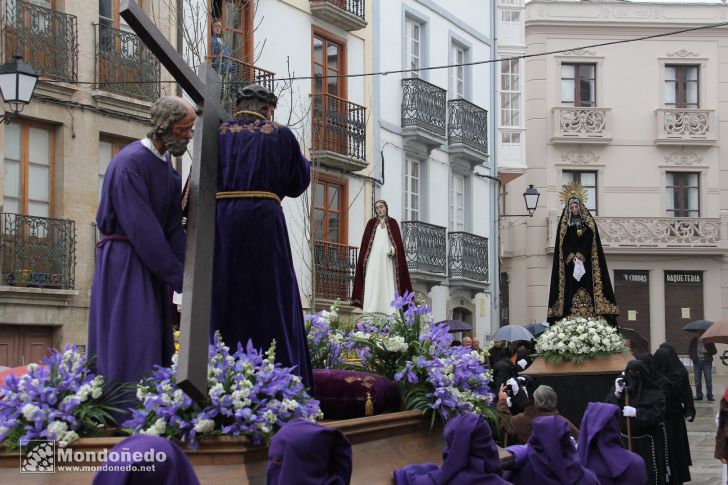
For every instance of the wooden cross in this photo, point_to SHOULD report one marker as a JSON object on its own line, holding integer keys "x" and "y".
{"x": 195, "y": 323}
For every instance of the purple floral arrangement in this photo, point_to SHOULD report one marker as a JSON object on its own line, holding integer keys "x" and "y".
{"x": 410, "y": 349}
{"x": 58, "y": 399}
{"x": 249, "y": 395}
{"x": 326, "y": 339}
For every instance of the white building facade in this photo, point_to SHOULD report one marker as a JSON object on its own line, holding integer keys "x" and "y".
{"x": 641, "y": 125}
{"x": 432, "y": 148}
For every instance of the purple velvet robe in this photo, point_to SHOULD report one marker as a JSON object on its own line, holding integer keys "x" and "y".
{"x": 601, "y": 449}
{"x": 306, "y": 453}
{"x": 549, "y": 458}
{"x": 255, "y": 293}
{"x": 470, "y": 457}
{"x": 175, "y": 469}
{"x": 129, "y": 329}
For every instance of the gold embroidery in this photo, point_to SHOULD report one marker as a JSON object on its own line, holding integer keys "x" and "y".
{"x": 236, "y": 126}
{"x": 581, "y": 304}
{"x": 557, "y": 310}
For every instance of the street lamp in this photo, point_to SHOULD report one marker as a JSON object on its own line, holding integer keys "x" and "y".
{"x": 17, "y": 83}
{"x": 531, "y": 196}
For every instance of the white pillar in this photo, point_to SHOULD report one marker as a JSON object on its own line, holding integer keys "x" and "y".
{"x": 439, "y": 296}
{"x": 657, "y": 308}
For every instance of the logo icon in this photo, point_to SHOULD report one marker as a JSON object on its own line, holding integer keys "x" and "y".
{"x": 38, "y": 456}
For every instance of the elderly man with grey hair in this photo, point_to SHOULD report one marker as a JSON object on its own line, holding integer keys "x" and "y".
{"x": 545, "y": 401}
{"x": 141, "y": 249}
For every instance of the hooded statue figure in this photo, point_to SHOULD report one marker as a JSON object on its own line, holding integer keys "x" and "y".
{"x": 580, "y": 282}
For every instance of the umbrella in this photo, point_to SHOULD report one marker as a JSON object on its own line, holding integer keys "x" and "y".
{"x": 512, "y": 333}
{"x": 717, "y": 333}
{"x": 697, "y": 325}
{"x": 457, "y": 325}
{"x": 638, "y": 344}
{"x": 536, "y": 329}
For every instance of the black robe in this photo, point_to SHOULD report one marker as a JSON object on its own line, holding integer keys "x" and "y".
{"x": 593, "y": 294}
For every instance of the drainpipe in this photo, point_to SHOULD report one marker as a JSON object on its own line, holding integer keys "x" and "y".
{"x": 495, "y": 188}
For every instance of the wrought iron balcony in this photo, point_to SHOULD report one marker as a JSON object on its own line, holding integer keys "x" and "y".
{"x": 335, "y": 267}
{"x": 423, "y": 112}
{"x": 425, "y": 247}
{"x": 47, "y": 40}
{"x": 467, "y": 130}
{"x": 37, "y": 251}
{"x": 468, "y": 256}
{"x": 580, "y": 125}
{"x": 237, "y": 73}
{"x": 339, "y": 133}
{"x": 124, "y": 65}
{"x": 345, "y": 14}
{"x": 686, "y": 126}
{"x": 677, "y": 235}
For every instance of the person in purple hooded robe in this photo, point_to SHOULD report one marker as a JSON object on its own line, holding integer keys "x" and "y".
{"x": 470, "y": 457}
{"x": 146, "y": 460}
{"x": 141, "y": 249}
{"x": 549, "y": 457}
{"x": 255, "y": 293}
{"x": 601, "y": 449}
{"x": 307, "y": 453}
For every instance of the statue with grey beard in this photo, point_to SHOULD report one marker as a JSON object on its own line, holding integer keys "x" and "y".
{"x": 140, "y": 251}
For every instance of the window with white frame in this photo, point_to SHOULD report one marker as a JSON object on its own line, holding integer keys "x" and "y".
{"x": 457, "y": 73}
{"x": 682, "y": 86}
{"x": 511, "y": 27}
{"x": 413, "y": 46}
{"x": 510, "y": 93}
{"x": 108, "y": 148}
{"x": 683, "y": 194}
{"x": 457, "y": 203}
{"x": 578, "y": 84}
{"x": 412, "y": 189}
{"x": 588, "y": 180}
{"x": 510, "y": 146}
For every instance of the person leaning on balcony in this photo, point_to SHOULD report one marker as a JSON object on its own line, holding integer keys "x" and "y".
{"x": 381, "y": 270}
{"x": 255, "y": 293}
{"x": 220, "y": 52}
{"x": 142, "y": 249}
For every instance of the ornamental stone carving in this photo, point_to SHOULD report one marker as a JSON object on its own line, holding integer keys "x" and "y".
{"x": 580, "y": 52}
{"x": 683, "y": 158}
{"x": 683, "y": 53}
{"x": 582, "y": 120}
{"x": 580, "y": 156}
{"x": 687, "y": 122}
{"x": 666, "y": 232}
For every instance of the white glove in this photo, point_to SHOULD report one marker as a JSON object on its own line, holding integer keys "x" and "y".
{"x": 629, "y": 412}
{"x": 513, "y": 384}
{"x": 522, "y": 363}
{"x": 579, "y": 270}
{"x": 618, "y": 386}
{"x": 508, "y": 401}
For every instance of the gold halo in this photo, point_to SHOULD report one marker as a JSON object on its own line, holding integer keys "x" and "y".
{"x": 573, "y": 189}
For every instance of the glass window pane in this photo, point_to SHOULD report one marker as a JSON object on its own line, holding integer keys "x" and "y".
{"x": 105, "y": 9}
{"x": 691, "y": 95}
{"x": 332, "y": 56}
{"x": 11, "y": 205}
{"x": 318, "y": 80}
{"x": 588, "y": 179}
{"x": 318, "y": 50}
{"x": 567, "y": 71}
{"x": 692, "y": 179}
{"x": 586, "y": 71}
{"x": 332, "y": 83}
{"x": 670, "y": 199}
{"x": 106, "y": 150}
{"x": 11, "y": 180}
{"x": 692, "y": 73}
{"x": 39, "y": 146}
{"x": 38, "y": 209}
{"x": 38, "y": 182}
{"x": 693, "y": 199}
{"x": 333, "y": 197}
{"x": 12, "y": 141}
{"x": 333, "y": 235}
{"x": 318, "y": 221}
{"x": 670, "y": 95}
{"x": 669, "y": 73}
{"x": 318, "y": 198}
{"x": 567, "y": 90}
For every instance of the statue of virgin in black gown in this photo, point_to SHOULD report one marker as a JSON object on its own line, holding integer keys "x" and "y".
{"x": 580, "y": 282}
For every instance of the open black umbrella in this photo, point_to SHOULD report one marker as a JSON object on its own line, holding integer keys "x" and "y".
{"x": 536, "y": 329}
{"x": 638, "y": 344}
{"x": 457, "y": 325}
{"x": 697, "y": 325}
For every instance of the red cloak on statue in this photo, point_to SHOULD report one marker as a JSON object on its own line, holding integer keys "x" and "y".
{"x": 401, "y": 272}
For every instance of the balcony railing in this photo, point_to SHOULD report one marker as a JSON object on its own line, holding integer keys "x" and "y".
{"x": 236, "y": 73}
{"x": 124, "y": 65}
{"x": 335, "y": 266}
{"x": 425, "y": 247}
{"x": 582, "y": 124}
{"x": 47, "y": 40}
{"x": 467, "y": 125}
{"x": 339, "y": 126}
{"x": 37, "y": 251}
{"x": 685, "y": 126}
{"x": 423, "y": 106}
{"x": 654, "y": 232}
{"x": 346, "y": 14}
{"x": 468, "y": 256}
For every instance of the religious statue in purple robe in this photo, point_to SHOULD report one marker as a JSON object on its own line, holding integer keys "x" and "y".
{"x": 255, "y": 294}
{"x": 381, "y": 270}
{"x": 141, "y": 249}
